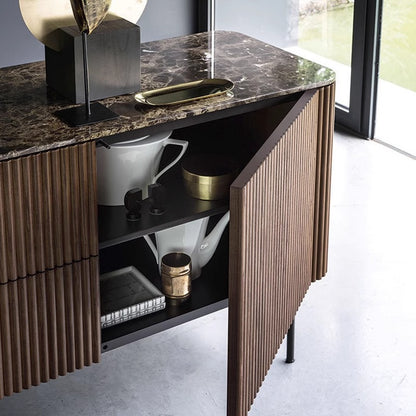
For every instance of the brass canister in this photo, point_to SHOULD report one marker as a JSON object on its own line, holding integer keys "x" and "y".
{"x": 209, "y": 176}
{"x": 176, "y": 275}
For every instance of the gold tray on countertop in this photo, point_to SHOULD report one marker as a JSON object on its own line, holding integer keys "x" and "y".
{"x": 183, "y": 93}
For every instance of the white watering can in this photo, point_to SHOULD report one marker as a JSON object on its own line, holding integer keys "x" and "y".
{"x": 132, "y": 164}
{"x": 190, "y": 239}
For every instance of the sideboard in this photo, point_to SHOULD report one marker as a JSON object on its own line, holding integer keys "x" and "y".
{"x": 55, "y": 241}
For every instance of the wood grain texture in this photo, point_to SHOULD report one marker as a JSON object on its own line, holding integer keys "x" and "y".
{"x": 49, "y": 293}
{"x": 271, "y": 248}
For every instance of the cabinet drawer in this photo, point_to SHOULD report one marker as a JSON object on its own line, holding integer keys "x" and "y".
{"x": 48, "y": 212}
{"x": 49, "y": 325}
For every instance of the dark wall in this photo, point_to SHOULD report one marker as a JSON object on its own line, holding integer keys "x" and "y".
{"x": 161, "y": 19}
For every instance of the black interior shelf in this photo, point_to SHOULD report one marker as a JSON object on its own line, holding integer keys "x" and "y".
{"x": 114, "y": 228}
{"x": 209, "y": 291}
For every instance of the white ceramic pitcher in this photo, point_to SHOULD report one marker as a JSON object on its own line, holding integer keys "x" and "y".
{"x": 132, "y": 164}
{"x": 190, "y": 239}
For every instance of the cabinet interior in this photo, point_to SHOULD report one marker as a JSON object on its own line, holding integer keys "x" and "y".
{"x": 239, "y": 136}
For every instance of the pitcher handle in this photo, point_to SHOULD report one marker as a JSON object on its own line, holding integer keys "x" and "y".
{"x": 175, "y": 142}
{"x": 152, "y": 247}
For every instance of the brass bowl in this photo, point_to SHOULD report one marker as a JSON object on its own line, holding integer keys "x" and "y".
{"x": 209, "y": 176}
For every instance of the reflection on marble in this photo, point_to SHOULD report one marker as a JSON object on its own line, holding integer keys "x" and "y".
{"x": 259, "y": 71}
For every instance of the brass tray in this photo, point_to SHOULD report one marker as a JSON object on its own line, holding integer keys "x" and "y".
{"x": 183, "y": 93}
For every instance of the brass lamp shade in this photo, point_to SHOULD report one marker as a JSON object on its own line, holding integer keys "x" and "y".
{"x": 44, "y": 17}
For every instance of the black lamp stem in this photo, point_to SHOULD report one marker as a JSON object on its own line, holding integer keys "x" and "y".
{"x": 86, "y": 75}
{"x": 90, "y": 113}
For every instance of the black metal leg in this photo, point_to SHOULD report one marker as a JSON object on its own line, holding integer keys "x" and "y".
{"x": 290, "y": 344}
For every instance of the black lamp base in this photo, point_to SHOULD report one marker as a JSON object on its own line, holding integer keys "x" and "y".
{"x": 77, "y": 116}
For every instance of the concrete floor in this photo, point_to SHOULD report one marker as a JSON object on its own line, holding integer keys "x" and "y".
{"x": 356, "y": 329}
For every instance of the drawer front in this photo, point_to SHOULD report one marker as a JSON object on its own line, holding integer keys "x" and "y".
{"x": 277, "y": 219}
{"x": 49, "y": 325}
{"x": 48, "y": 211}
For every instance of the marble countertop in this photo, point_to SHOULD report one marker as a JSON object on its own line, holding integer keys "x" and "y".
{"x": 259, "y": 71}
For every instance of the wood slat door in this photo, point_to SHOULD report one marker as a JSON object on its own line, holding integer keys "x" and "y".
{"x": 278, "y": 240}
{"x": 49, "y": 287}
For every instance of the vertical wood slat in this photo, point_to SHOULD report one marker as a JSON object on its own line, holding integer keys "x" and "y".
{"x": 9, "y": 240}
{"x": 3, "y": 241}
{"x": 78, "y": 329}
{"x": 16, "y": 357}
{"x": 94, "y": 275}
{"x": 47, "y": 210}
{"x": 36, "y": 168}
{"x": 48, "y": 267}
{"x": 28, "y": 299}
{"x": 86, "y": 312}
{"x": 1, "y": 362}
{"x": 51, "y": 324}
{"x": 58, "y": 204}
{"x": 42, "y": 328}
{"x": 271, "y": 249}
{"x": 323, "y": 180}
{"x": 90, "y": 190}
{"x": 70, "y": 338}
{"x": 5, "y": 367}
{"x": 25, "y": 341}
{"x": 17, "y": 216}
{"x": 83, "y": 182}
{"x": 69, "y": 209}
{"x": 6, "y": 337}
{"x": 33, "y": 333}
{"x": 61, "y": 323}
{"x": 330, "y": 121}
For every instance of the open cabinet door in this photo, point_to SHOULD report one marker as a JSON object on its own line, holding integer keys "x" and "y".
{"x": 278, "y": 240}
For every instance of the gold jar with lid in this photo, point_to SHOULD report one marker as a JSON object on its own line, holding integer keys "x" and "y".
{"x": 176, "y": 275}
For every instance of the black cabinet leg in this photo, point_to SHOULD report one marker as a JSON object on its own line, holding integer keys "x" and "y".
{"x": 290, "y": 344}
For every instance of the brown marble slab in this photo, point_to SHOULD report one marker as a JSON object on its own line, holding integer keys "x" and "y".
{"x": 259, "y": 71}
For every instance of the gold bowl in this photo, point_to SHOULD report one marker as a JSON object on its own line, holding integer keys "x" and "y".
{"x": 209, "y": 176}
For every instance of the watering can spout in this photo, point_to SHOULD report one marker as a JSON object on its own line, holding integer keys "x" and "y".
{"x": 210, "y": 242}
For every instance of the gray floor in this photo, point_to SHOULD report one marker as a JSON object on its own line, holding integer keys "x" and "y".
{"x": 356, "y": 329}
